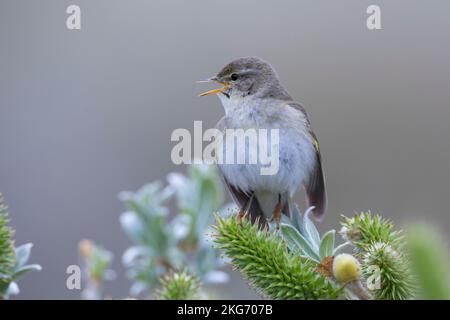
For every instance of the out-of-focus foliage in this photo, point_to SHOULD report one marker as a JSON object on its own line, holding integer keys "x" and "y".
{"x": 292, "y": 262}
{"x": 12, "y": 260}
{"x": 179, "y": 286}
{"x": 430, "y": 262}
{"x": 166, "y": 241}
{"x": 96, "y": 262}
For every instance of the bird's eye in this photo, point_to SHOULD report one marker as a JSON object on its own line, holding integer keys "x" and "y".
{"x": 234, "y": 77}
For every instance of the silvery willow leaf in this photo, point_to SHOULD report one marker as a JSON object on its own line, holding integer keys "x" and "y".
{"x": 13, "y": 289}
{"x": 22, "y": 254}
{"x": 25, "y": 269}
{"x": 297, "y": 219}
{"x": 297, "y": 243}
{"x": 327, "y": 244}
{"x": 310, "y": 229}
{"x": 340, "y": 248}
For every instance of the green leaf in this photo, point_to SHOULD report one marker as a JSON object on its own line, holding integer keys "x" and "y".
{"x": 327, "y": 244}
{"x": 296, "y": 242}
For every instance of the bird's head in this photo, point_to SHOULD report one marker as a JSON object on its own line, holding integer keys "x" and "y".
{"x": 246, "y": 77}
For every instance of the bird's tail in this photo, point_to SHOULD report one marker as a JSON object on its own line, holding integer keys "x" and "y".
{"x": 316, "y": 192}
{"x": 255, "y": 213}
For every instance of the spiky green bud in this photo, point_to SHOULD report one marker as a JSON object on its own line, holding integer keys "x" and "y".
{"x": 179, "y": 286}
{"x": 380, "y": 247}
{"x": 264, "y": 260}
{"x": 366, "y": 228}
{"x": 396, "y": 282}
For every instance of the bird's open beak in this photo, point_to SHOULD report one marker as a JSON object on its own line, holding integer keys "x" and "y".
{"x": 219, "y": 90}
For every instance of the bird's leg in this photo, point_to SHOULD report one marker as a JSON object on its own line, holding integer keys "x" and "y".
{"x": 241, "y": 215}
{"x": 244, "y": 210}
{"x": 277, "y": 212}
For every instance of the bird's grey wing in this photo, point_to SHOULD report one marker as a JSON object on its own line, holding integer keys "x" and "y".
{"x": 315, "y": 186}
{"x": 297, "y": 106}
{"x": 240, "y": 197}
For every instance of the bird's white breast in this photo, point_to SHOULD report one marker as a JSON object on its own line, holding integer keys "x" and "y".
{"x": 296, "y": 152}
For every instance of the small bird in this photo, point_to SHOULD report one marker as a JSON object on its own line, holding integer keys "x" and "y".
{"x": 253, "y": 97}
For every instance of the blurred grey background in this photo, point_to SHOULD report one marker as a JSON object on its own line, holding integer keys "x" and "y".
{"x": 86, "y": 114}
